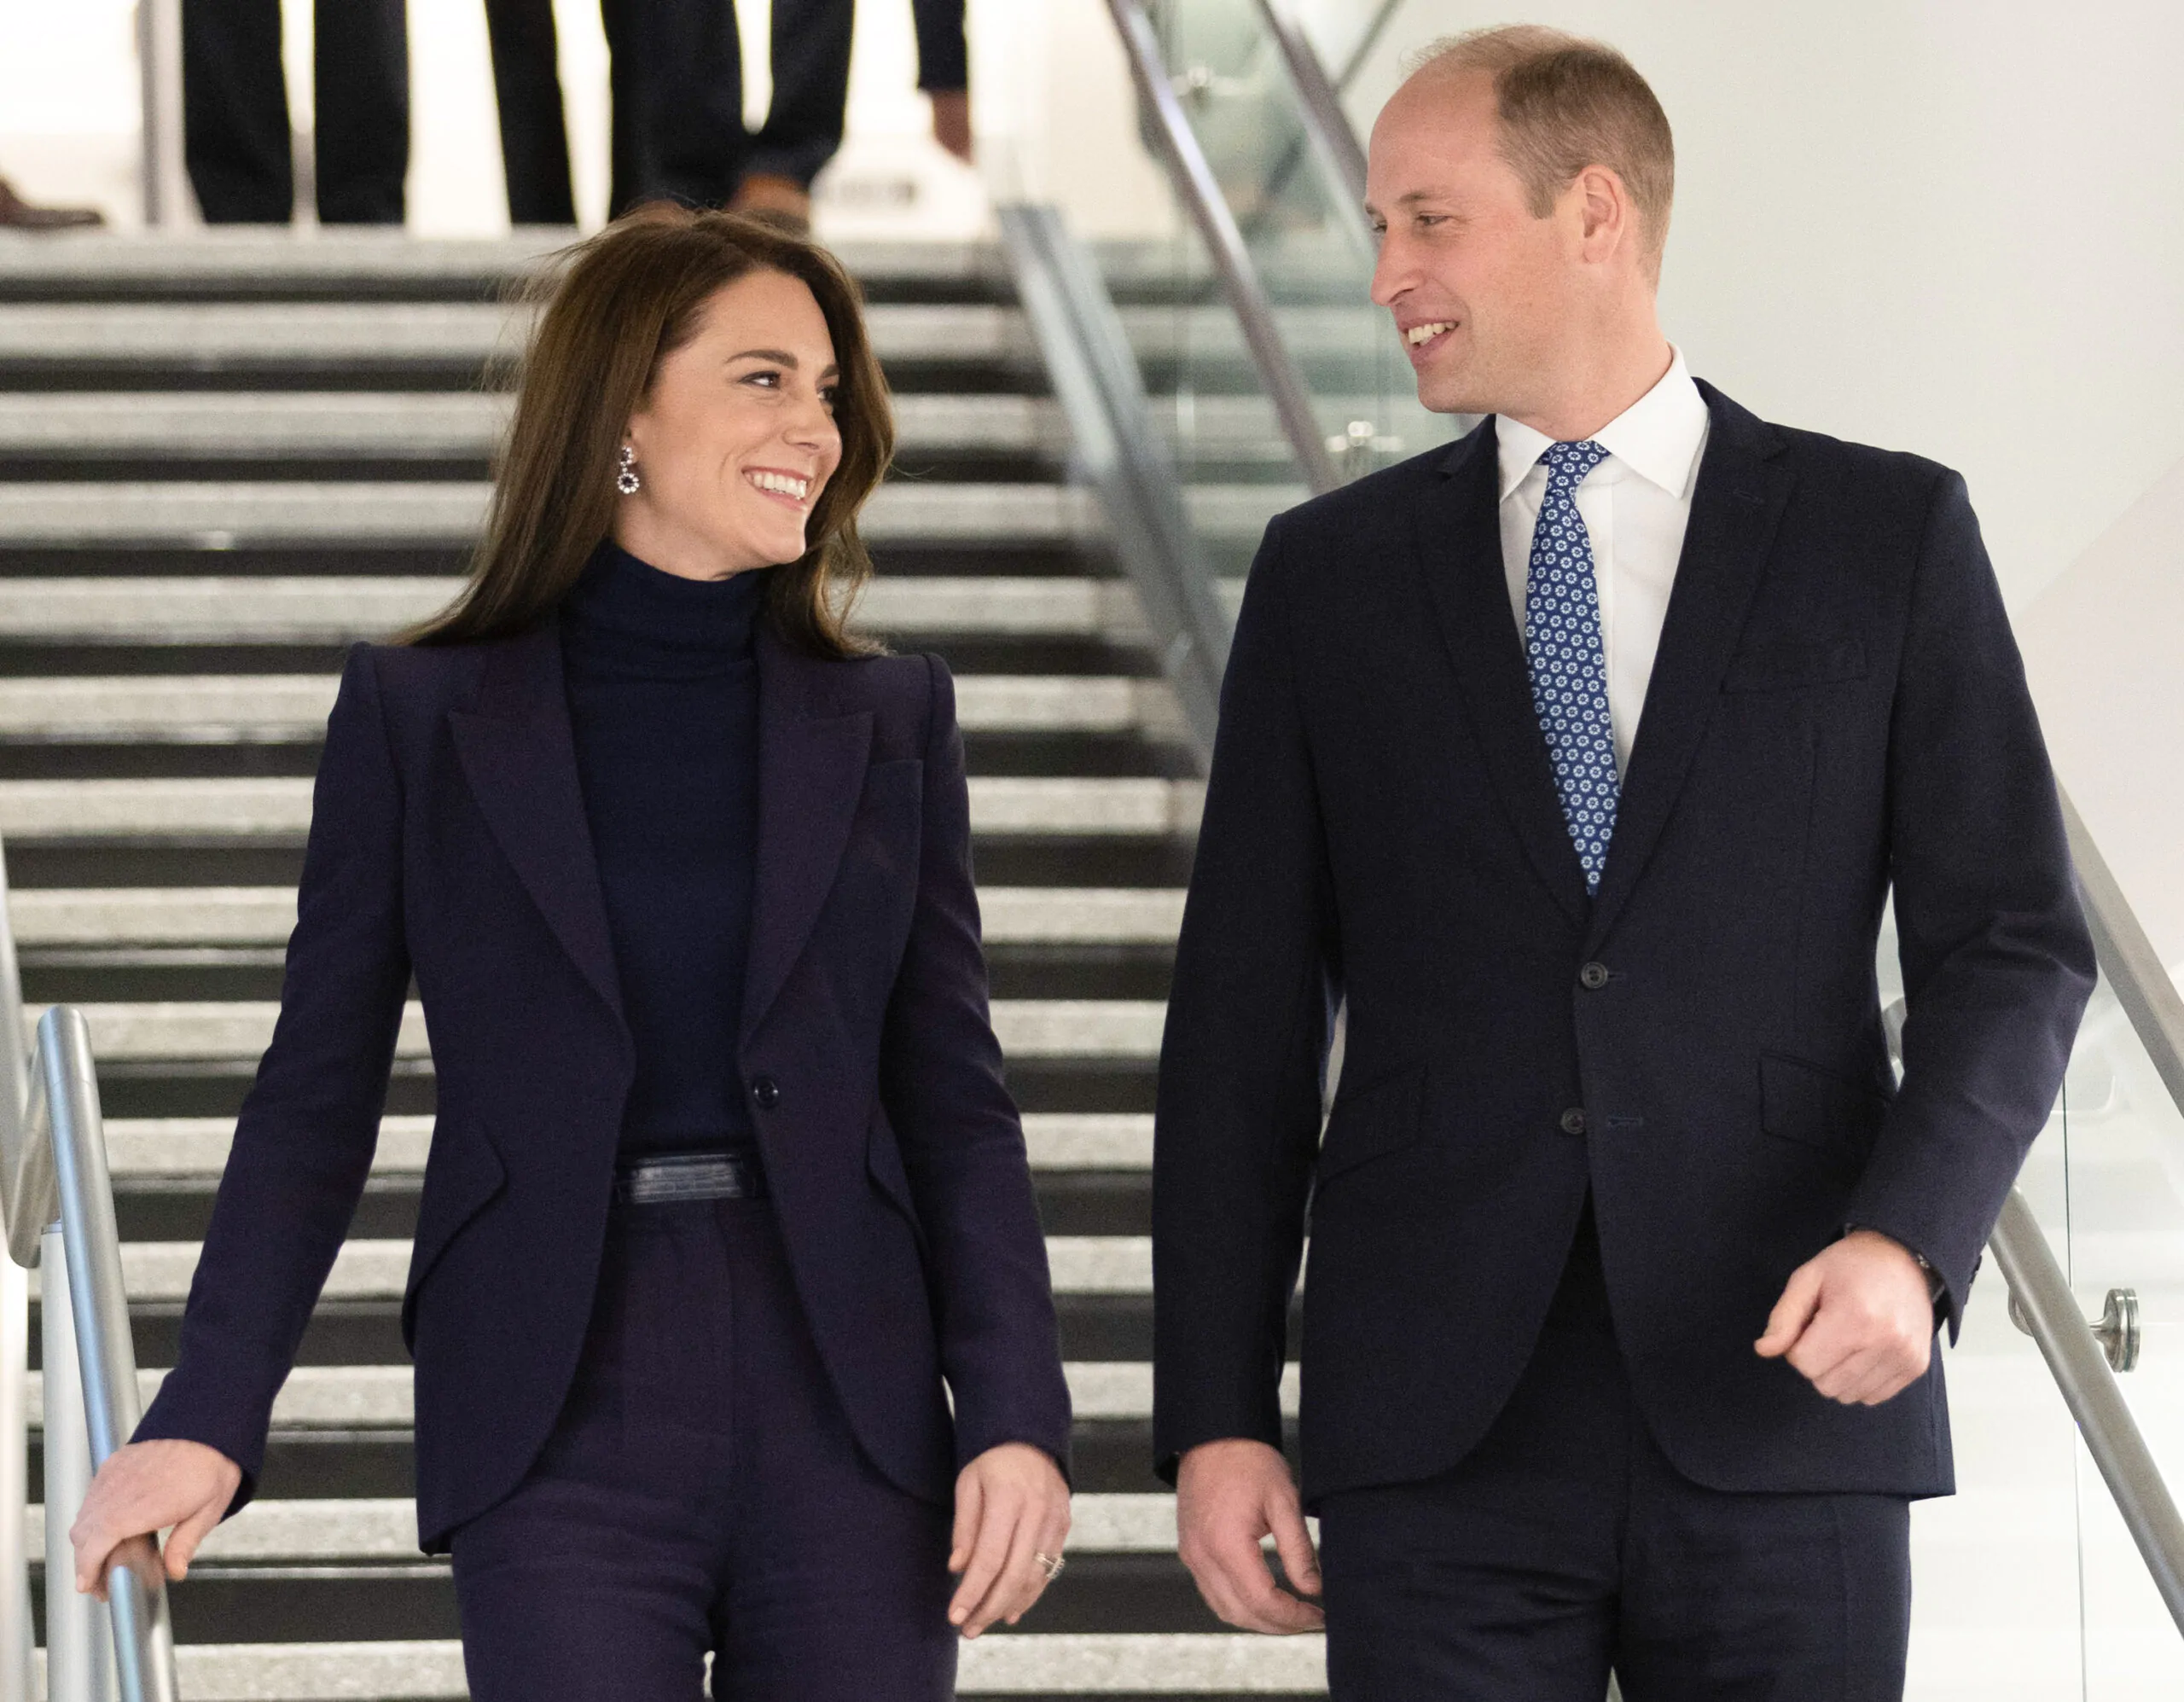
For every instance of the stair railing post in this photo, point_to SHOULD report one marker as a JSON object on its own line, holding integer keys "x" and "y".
{"x": 78, "y": 1653}
{"x": 159, "y": 66}
{"x": 142, "y": 1647}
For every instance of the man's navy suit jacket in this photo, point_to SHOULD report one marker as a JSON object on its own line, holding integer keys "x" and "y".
{"x": 448, "y": 841}
{"x": 1837, "y": 711}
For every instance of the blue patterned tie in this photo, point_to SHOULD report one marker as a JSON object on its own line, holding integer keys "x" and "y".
{"x": 1569, "y": 660}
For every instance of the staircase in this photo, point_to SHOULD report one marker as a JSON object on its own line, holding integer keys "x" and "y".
{"x": 223, "y": 461}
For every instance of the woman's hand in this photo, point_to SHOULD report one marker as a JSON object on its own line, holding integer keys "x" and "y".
{"x": 140, "y": 1490}
{"x": 1011, "y": 1507}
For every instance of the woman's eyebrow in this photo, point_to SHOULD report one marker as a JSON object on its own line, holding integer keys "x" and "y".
{"x": 779, "y": 356}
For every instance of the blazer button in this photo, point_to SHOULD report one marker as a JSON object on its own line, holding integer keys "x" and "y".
{"x": 767, "y": 1091}
{"x": 1573, "y": 1121}
{"x": 1593, "y": 977}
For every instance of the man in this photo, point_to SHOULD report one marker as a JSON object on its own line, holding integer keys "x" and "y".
{"x": 234, "y": 111}
{"x": 1580, "y": 760}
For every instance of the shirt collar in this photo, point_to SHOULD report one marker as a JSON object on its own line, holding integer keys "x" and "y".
{"x": 1659, "y": 436}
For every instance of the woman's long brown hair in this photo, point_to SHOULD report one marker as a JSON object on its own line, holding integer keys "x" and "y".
{"x": 613, "y": 310}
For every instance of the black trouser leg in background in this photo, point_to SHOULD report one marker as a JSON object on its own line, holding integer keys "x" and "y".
{"x": 810, "y": 50}
{"x": 360, "y": 67}
{"x": 678, "y": 81}
{"x": 527, "y": 89}
{"x": 235, "y": 112}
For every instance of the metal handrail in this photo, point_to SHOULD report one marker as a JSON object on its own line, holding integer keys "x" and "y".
{"x": 2047, "y": 1311}
{"x": 1095, "y": 377}
{"x": 1201, "y": 192}
{"x": 1322, "y": 98}
{"x": 2128, "y": 958}
{"x": 56, "y": 1198}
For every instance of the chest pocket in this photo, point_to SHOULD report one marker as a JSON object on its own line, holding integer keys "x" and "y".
{"x": 1785, "y": 664}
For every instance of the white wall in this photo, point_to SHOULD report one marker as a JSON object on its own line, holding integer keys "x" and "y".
{"x": 1951, "y": 226}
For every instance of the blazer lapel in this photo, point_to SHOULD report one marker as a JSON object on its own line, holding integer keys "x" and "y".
{"x": 811, "y": 767}
{"x": 521, "y": 758}
{"x": 1735, "y": 510}
{"x": 1460, "y": 558}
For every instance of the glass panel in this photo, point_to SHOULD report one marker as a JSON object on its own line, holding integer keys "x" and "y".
{"x": 1315, "y": 260}
{"x": 1995, "y": 1605}
{"x": 2126, "y": 1199}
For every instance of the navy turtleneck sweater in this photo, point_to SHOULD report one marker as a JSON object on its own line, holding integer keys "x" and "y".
{"x": 662, "y": 692}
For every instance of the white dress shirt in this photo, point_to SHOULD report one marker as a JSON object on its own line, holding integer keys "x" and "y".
{"x": 1635, "y": 505}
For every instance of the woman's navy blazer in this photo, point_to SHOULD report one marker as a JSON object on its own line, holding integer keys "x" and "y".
{"x": 449, "y": 842}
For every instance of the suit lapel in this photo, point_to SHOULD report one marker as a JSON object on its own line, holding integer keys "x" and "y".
{"x": 1735, "y": 510}
{"x": 811, "y": 767}
{"x": 520, "y": 759}
{"x": 1459, "y": 557}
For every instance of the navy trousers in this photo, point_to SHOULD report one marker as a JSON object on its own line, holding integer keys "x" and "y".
{"x": 702, "y": 1496}
{"x": 1566, "y": 1545}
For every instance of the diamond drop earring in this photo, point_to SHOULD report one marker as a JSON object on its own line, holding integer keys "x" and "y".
{"x": 625, "y": 477}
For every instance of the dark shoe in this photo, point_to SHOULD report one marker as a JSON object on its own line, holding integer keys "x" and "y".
{"x": 17, "y": 214}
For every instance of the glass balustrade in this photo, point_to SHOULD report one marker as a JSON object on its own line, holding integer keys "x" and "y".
{"x": 2125, "y": 1175}
{"x": 1308, "y": 246}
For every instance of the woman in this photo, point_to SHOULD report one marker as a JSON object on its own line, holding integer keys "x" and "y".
{"x": 725, "y": 1181}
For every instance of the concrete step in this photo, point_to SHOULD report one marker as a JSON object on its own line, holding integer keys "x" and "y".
{"x": 353, "y": 264}
{"x": 374, "y": 427}
{"x": 1214, "y": 1667}
{"x": 195, "y": 1148}
{"x": 292, "y": 708}
{"x": 156, "y": 1272}
{"x": 364, "y": 1398}
{"x": 240, "y": 1030}
{"x": 280, "y": 809}
{"x": 364, "y": 1531}
{"x": 264, "y": 338}
{"x": 297, "y": 609}
{"x": 107, "y": 916}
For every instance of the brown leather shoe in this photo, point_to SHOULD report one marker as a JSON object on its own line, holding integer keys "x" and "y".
{"x": 17, "y": 214}
{"x": 782, "y": 202}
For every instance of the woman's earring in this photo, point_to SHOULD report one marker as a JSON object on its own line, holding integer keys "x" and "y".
{"x": 625, "y": 478}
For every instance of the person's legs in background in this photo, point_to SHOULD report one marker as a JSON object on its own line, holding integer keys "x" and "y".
{"x": 676, "y": 77}
{"x": 235, "y": 112}
{"x": 811, "y": 52}
{"x": 527, "y": 91}
{"x": 360, "y": 68}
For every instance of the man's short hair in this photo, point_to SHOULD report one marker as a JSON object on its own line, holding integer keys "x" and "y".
{"x": 1566, "y": 103}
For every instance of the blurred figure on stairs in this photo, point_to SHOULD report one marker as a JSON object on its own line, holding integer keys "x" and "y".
{"x": 234, "y": 103}
{"x": 678, "y": 81}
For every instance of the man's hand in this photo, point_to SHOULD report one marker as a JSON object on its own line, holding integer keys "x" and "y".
{"x": 951, "y": 120}
{"x": 1857, "y": 1321}
{"x": 1229, "y": 1495}
{"x": 140, "y": 1490}
{"x": 1011, "y": 1507}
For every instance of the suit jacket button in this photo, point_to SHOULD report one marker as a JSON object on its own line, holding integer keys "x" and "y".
{"x": 1593, "y": 977}
{"x": 767, "y": 1091}
{"x": 1573, "y": 1121}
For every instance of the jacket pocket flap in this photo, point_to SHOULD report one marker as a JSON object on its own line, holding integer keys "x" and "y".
{"x": 1802, "y": 1102}
{"x": 462, "y": 1176}
{"x": 883, "y": 1160}
{"x": 1784, "y": 665}
{"x": 1382, "y": 1116}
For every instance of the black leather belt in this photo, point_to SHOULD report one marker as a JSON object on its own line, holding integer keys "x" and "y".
{"x": 671, "y": 1177}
